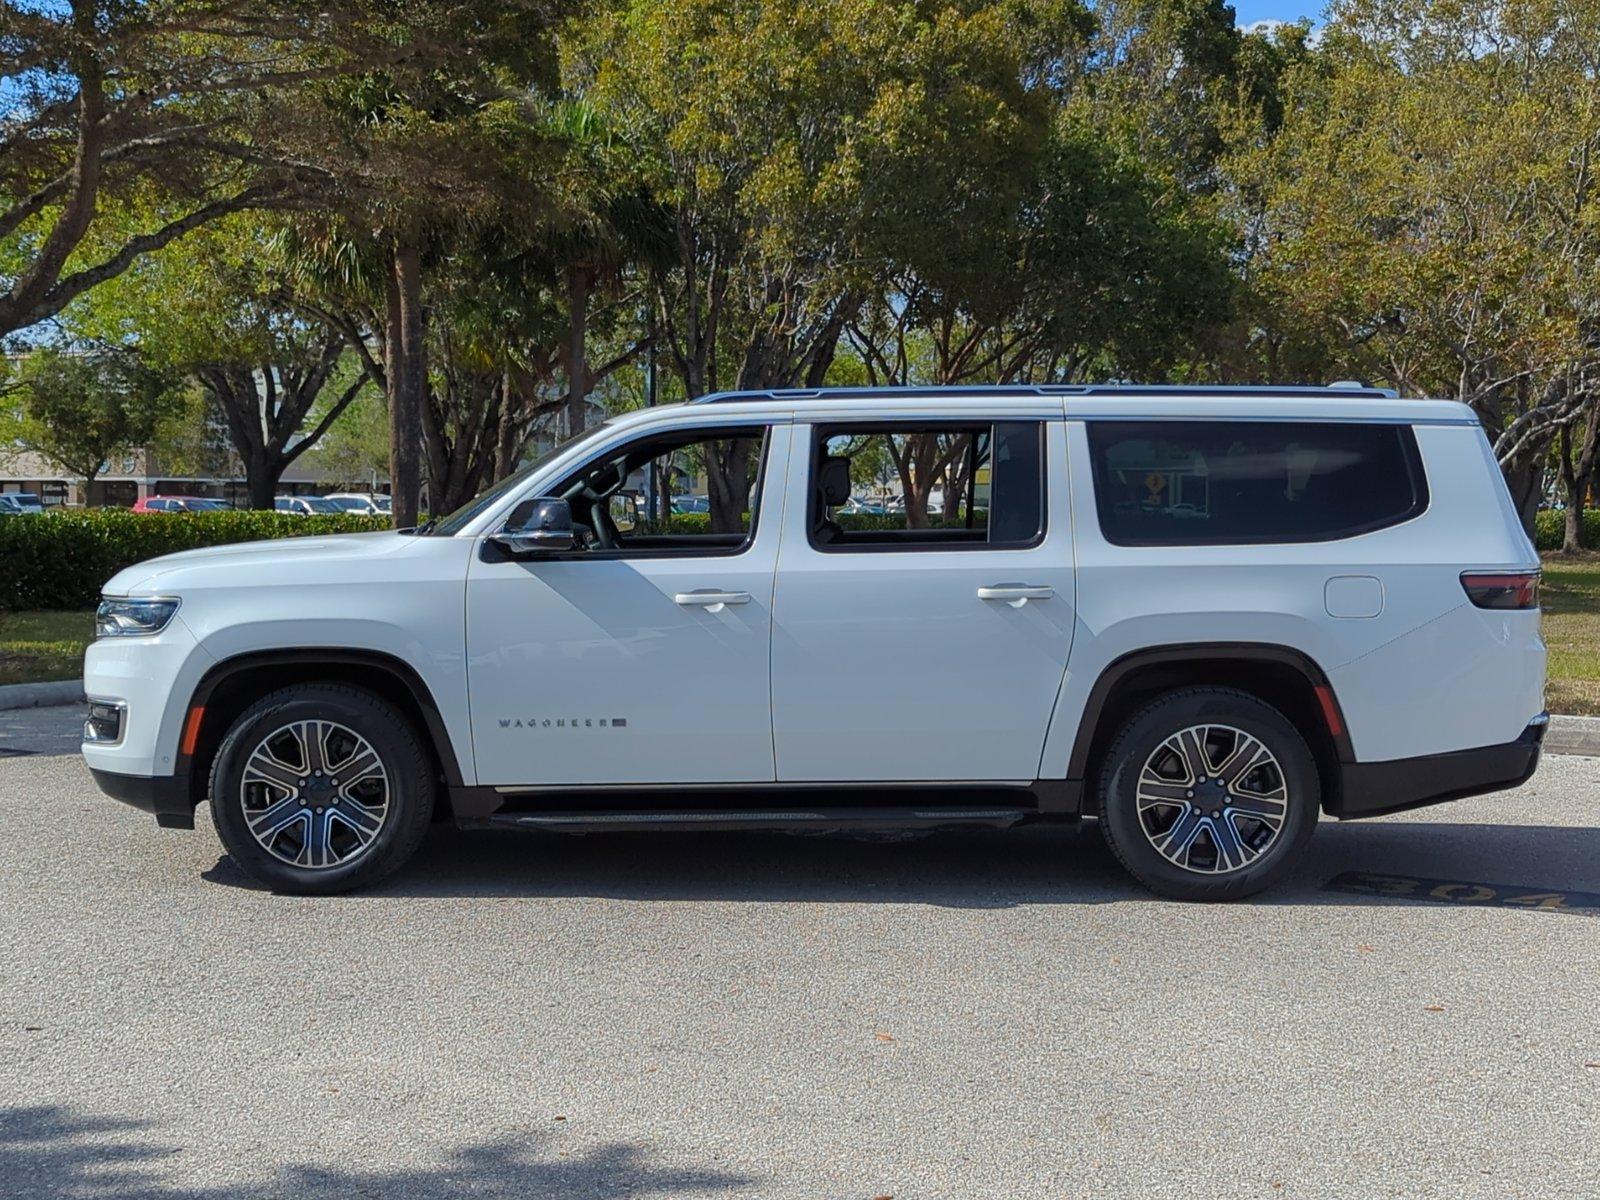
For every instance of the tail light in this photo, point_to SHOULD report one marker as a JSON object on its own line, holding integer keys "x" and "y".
{"x": 1502, "y": 589}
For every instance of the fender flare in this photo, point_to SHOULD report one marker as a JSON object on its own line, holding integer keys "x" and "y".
{"x": 397, "y": 668}
{"x": 1269, "y": 652}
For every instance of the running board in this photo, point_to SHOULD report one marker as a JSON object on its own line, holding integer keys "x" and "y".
{"x": 884, "y": 817}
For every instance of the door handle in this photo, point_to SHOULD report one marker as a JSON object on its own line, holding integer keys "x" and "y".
{"x": 1015, "y": 594}
{"x": 711, "y": 600}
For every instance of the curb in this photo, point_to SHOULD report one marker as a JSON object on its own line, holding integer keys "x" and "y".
{"x": 1573, "y": 735}
{"x": 40, "y": 695}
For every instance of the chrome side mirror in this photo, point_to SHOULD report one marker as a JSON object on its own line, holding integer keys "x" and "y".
{"x": 539, "y": 526}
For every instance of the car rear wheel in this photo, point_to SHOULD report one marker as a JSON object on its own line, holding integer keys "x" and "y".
{"x": 1208, "y": 794}
{"x": 321, "y": 788}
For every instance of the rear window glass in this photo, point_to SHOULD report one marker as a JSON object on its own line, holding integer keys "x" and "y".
{"x": 1164, "y": 483}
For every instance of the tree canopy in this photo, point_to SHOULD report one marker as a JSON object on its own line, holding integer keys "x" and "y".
{"x": 505, "y": 217}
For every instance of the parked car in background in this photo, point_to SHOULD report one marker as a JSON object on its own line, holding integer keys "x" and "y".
{"x": 182, "y": 504}
{"x": 690, "y": 504}
{"x": 20, "y": 504}
{"x": 365, "y": 504}
{"x": 307, "y": 506}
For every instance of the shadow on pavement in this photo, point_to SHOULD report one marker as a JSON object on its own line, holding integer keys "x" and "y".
{"x": 967, "y": 869}
{"x": 51, "y": 1151}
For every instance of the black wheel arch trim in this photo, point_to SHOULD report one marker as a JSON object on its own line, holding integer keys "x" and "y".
{"x": 1153, "y": 656}
{"x": 379, "y": 660}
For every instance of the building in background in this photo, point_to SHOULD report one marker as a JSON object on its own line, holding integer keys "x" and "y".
{"x": 130, "y": 478}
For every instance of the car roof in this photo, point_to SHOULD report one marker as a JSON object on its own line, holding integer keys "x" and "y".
{"x": 1122, "y": 401}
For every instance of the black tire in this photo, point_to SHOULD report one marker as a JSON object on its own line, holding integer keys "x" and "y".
{"x": 1209, "y": 872}
{"x": 408, "y": 776}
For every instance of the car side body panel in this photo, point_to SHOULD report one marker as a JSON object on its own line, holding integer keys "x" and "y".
{"x": 606, "y": 670}
{"x": 1449, "y": 676}
{"x": 385, "y": 593}
{"x": 940, "y": 684}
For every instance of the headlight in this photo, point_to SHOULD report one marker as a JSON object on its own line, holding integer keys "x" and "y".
{"x": 133, "y": 618}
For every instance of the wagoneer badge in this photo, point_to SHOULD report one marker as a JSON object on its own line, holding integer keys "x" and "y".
{"x": 563, "y": 722}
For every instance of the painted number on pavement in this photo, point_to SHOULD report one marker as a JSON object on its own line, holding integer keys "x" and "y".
{"x": 1455, "y": 891}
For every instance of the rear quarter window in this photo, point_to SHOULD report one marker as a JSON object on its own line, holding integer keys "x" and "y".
{"x": 1175, "y": 483}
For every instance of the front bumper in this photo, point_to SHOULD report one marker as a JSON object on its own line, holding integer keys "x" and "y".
{"x": 150, "y": 679}
{"x": 164, "y": 796}
{"x": 1371, "y": 789}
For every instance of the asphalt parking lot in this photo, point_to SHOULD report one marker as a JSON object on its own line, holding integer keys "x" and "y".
{"x": 964, "y": 1015}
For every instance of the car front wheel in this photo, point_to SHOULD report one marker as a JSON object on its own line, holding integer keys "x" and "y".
{"x": 321, "y": 788}
{"x": 1208, "y": 794}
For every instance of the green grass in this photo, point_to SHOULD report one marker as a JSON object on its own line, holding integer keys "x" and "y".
{"x": 1571, "y": 602}
{"x": 40, "y": 646}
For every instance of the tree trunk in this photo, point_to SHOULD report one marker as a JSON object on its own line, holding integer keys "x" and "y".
{"x": 407, "y": 375}
{"x": 1576, "y": 474}
{"x": 506, "y": 442}
{"x": 1572, "y": 526}
{"x": 663, "y": 499}
{"x": 1523, "y": 480}
{"x": 919, "y": 465}
{"x": 262, "y": 472}
{"x": 577, "y": 357}
{"x": 916, "y": 497}
{"x": 728, "y": 482}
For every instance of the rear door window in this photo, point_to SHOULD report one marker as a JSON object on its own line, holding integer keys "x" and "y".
{"x": 1170, "y": 483}
{"x": 920, "y": 486}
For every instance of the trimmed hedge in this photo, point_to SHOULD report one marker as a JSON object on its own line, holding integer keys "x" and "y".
{"x": 62, "y": 559}
{"x": 1549, "y": 525}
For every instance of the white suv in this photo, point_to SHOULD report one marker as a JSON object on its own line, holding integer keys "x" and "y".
{"x": 1202, "y": 615}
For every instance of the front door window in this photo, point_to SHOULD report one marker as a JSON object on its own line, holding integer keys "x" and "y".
{"x": 686, "y": 492}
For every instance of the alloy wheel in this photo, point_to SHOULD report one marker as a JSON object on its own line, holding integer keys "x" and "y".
{"x": 1212, "y": 799}
{"x": 315, "y": 794}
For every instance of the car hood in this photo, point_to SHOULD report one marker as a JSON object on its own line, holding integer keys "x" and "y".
{"x": 258, "y": 563}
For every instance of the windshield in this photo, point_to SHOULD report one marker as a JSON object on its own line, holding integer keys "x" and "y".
{"x": 463, "y": 516}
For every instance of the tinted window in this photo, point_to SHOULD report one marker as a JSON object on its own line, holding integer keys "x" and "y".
{"x": 628, "y": 500}
{"x": 942, "y": 486}
{"x": 1231, "y": 482}
{"x": 455, "y": 522}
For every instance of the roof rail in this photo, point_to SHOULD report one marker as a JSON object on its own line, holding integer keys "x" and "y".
{"x": 1342, "y": 388}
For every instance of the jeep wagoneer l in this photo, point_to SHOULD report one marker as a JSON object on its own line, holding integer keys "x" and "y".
{"x": 1203, "y": 616}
